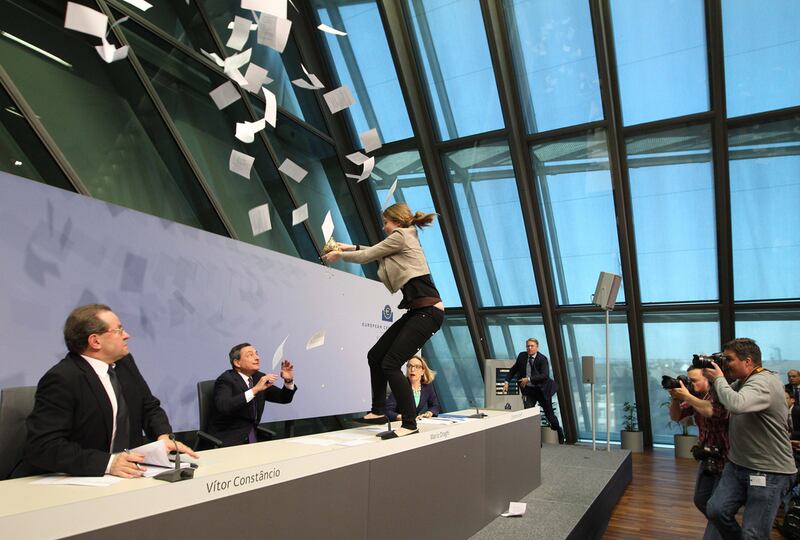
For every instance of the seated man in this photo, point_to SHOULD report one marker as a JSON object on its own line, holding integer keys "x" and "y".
{"x": 240, "y": 393}
{"x": 93, "y": 405}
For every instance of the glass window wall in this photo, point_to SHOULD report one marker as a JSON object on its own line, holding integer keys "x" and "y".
{"x": 453, "y": 53}
{"x": 554, "y": 57}
{"x": 672, "y": 195}
{"x": 577, "y": 205}
{"x": 484, "y": 190}
{"x": 765, "y": 189}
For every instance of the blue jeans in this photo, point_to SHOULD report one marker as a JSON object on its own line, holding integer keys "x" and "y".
{"x": 703, "y": 490}
{"x": 760, "y": 503}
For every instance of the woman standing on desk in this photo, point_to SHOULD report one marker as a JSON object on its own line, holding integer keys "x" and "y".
{"x": 401, "y": 266}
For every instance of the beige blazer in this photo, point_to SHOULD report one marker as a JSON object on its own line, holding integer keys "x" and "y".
{"x": 399, "y": 257}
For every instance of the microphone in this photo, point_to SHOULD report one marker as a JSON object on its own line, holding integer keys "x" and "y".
{"x": 386, "y": 433}
{"x": 478, "y": 413}
{"x": 177, "y": 474}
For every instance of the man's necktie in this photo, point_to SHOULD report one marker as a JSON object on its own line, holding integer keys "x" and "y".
{"x": 122, "y": 435}
{"x": 251, "y": 437}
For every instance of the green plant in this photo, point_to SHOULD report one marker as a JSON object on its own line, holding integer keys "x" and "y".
{"x": 629, "y": 420}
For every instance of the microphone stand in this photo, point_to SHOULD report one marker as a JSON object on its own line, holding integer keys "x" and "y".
{"x": 177, "y": 474}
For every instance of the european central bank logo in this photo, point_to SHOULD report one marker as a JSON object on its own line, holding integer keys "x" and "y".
{"x": 386, "y": 314}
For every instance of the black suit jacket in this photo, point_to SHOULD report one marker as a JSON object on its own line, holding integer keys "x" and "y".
{"x": 427, "y": 402}
{"x": 540, "y": 374}
{"x": 70, "y": 427}
{"x": 233, "y": 417}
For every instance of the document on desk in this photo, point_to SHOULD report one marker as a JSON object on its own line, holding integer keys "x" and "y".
{"x": 436, "y": 421}
{"x": 314, "y": 441}
{"x": 153, "y": 470}
{"x": 92, "y": 481}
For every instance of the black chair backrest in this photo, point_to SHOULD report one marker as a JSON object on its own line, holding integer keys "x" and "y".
{"x": 15, "y": 406}
{"x": 205, "y": 402}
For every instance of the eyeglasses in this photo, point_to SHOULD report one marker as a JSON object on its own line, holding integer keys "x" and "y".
{"x": 119, "y": 331}
{"x": 414, "y": 366}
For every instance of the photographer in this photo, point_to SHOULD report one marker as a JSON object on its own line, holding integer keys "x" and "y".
{"x": 711, "y": 419}
{"x": 760, "y": 466}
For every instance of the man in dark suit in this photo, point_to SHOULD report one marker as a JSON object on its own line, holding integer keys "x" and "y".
{"x": 533, "y": 373}
{"x": 793, "y": 388}
{"x": 93, "y": 405}
{"x": 240, "y": 394}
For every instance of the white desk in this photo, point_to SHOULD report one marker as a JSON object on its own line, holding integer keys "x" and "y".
{"x": 287, "y": 485}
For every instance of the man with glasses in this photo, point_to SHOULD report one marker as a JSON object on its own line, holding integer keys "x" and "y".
{"x": 532, "y": 370}
{"x": 760, "y": 466}
{"x": 93, "y": 405}
{"x": 241, "y": 392}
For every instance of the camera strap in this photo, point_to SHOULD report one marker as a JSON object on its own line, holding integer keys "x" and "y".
{"x": 759, "y": 369}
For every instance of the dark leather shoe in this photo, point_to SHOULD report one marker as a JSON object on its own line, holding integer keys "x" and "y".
{"x": 377, "y": 421}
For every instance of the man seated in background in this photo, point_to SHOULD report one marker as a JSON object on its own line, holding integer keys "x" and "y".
{"x": 240, "y": 394}
{"x": 93, "y": 405}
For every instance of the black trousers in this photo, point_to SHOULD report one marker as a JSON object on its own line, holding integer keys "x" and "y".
{"x": 399, "y": 343}
{"x": 532, "y": 395}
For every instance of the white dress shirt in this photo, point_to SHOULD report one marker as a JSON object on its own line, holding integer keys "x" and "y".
{"x": 249, "y": 395}
{"x": 101, "y": 368}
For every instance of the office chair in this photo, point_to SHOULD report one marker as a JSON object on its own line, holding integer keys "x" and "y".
{"x": 205, "y": 403}
{"x": 15, "y": 406}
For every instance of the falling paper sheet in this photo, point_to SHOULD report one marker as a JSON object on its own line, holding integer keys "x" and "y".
{"x": 339, "y": 99}
{"x": 278, "y": 356}
{"x": 246, "y": 131}
{"x": 371, "y": 140}
{"x": 224, "y": 95}
{"x": 389, "y": 196}
{"x": 273, "y": 31}
{"x": 315, "y": 83}
{"x": 329, "y": 30}
{"x": 293, "y": 170}
{"x": 299, "y": 215}
{"x": 253, "y": 26}
{"x": 233, "y": 63}
{"x": 515, "y": 509}
{"x": 141, "y": 4}
{"x": 317, "y": 340}
{"x": 214, "y": 56}
{"x": 240, "y": 33}
{"x": 86, "y": 20}
{"x": 109, "y": 53}
{"x": 272, "y": 7}
{"x": 241, "y": 163}
{"x": 327, "y": 227}
{"x": 357, "y": 158}
{"x": 270, "y": 108}
{"x": 259, "y": 219}
{"x": 368, "y": 166}
{"x": 256, "y": 77}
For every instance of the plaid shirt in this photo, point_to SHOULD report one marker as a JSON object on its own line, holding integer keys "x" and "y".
{"x": 714, "y": 429}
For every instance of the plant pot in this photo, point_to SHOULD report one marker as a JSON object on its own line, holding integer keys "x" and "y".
{"x": 549, "y": 436}
{"x": 632, "y": 440}
{"x": 683, "y": 445}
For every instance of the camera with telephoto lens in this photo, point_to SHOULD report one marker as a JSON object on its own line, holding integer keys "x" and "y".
{"x": 703, "y": 361}
{"x": 710, "y": 457}
{"x": 670, "y": 383}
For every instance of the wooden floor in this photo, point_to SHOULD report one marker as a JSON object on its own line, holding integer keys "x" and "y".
{"x": 658, "y": 502}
